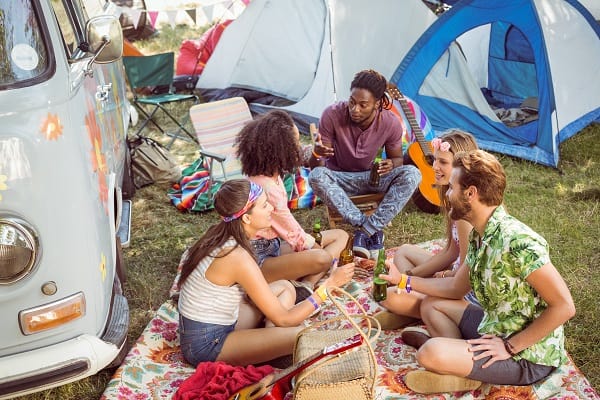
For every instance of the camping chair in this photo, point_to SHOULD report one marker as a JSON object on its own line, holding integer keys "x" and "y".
{"x": 216, "y": 124}
{"x": 151, "y": 72}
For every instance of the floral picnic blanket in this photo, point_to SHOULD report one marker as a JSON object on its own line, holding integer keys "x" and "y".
{"x": 154, "y": 367}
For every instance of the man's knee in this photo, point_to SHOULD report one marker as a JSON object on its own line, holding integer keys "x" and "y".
{"x": 434, "y": 354}
{"x": 316, "y": 176}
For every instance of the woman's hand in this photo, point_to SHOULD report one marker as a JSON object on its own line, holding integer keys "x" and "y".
{"x": 444, "y": 274}
{"x": 340, "y": 275}
{"x": 393, "y": 275}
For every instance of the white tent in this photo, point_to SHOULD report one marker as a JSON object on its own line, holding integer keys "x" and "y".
{"x": 308, "y": 51}
{"x": 512, "y": 57}
{"x": 593, "y": 7}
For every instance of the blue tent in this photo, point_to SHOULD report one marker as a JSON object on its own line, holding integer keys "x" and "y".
{"x": 521, "y": 75}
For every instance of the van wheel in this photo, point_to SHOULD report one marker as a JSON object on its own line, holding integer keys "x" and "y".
{"x": 120, "y": 267}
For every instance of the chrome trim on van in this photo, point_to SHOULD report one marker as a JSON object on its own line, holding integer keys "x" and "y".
{"x": 18, "y": 239}
{"x": 50, "y": 375}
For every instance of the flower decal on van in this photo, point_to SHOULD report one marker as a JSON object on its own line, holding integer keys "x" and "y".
{"x": 98, "y": 159}
{"x": 102, "y": 266}
{"x": 3, "y": 185}
{"x": 51, "y": 127}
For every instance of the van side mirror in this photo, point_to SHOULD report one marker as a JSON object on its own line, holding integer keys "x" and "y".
{"x": 104, "y": 40}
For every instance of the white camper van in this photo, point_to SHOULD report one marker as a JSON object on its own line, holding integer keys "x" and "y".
{"x": 63, "y": 153}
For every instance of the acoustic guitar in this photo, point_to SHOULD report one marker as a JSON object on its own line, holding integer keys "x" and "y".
{"x": 275, "y": 386}
{"x": 420, "y": 154}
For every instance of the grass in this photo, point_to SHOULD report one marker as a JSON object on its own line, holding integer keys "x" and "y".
{"x": 561, "y": 204}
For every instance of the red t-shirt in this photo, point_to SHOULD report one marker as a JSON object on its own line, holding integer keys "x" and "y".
{"x": 354, "y": 148}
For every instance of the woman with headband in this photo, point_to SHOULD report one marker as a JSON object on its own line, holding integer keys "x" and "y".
{"x": 228, "y": 311}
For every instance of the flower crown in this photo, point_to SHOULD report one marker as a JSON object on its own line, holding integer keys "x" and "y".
{"x": 437, "y": 144}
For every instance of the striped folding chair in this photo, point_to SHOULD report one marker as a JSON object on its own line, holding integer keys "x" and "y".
{"x": 216, "y": 124}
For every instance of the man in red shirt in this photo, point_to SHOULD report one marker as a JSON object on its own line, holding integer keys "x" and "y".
{"x": 351, "y": 133}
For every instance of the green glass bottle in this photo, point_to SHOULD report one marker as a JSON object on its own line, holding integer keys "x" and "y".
{"x": 374, "y": 175}
{"x": 379, "y": 285}
{"x": 316, "y": 232}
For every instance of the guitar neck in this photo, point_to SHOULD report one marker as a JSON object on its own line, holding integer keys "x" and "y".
{"x": 412, "y": 121}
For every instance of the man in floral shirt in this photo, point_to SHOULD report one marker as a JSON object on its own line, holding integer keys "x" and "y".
{"x": 516, "y": 336}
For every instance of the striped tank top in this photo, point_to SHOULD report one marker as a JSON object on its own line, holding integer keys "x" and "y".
{"x": 203, "y": 301}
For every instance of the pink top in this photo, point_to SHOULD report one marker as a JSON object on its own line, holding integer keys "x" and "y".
{"x": 354, "y": 148}
{"x": 283, "y": 223}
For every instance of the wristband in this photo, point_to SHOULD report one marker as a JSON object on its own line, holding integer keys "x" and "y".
{"x": 315, "y": 155}
{"x": 402, "y": 283}
{"x": 408, "y": 287}
{"x": 321, "y": 292}
{"x": 509, "y": 348}
{"x": 313, "y": 302}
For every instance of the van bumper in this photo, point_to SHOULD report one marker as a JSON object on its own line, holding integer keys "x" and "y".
{"x": 64, "y": 362}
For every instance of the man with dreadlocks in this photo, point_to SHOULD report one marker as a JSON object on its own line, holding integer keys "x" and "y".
{"x": 350, "y": 135}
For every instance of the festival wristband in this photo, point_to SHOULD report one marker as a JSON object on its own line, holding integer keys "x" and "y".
{"x": 321, "y": 292}
{"x": 408, "y": 287}
{"x": 402, "y": 283}
{"x": 313, "y": 302}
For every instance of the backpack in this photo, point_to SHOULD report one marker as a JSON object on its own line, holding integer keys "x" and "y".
{"x": 151, "y": 162}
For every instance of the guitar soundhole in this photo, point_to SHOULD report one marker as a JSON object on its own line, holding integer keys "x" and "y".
{"x": 429, "y": 159}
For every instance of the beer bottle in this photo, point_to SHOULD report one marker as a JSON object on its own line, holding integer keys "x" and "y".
{"x": 347, "y": 255}
{"x": 379, "y": 284}
{"x": 316, "y": 232}
{"x": 374, "y": 176}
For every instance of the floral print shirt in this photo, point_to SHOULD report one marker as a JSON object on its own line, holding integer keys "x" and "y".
{"x": 499, "y": 263}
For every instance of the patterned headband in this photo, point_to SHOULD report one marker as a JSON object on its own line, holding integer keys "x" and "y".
{"x": 255, "y": 192}
{"x": 437, "y": 144}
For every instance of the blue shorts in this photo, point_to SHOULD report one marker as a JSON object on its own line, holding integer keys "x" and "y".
{"x": 264, "y": 248}
{"x": 201, "y": 341}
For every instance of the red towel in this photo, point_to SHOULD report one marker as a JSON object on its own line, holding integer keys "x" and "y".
{"x": 219, "y": 381}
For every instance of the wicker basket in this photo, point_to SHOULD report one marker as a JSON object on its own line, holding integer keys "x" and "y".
{"x": 346, "y": 376}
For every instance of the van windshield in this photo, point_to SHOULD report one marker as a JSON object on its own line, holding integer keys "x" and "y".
{"x": 23, "y": 57}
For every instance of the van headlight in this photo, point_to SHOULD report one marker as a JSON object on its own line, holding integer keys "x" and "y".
{"x": 18, "y": 249}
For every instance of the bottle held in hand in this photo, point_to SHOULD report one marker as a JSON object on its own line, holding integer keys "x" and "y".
{"x": 347, "y": 255}
{"x": 379, "y": 284}
{"x": 316, "y": 232}
{"x": 374, "y": 175}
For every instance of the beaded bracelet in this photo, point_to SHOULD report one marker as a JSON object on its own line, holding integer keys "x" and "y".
{"x": 509, "y": 347}
{"x": 313, "y": 302}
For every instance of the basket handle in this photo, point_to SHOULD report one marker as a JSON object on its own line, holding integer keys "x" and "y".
{"x": 368, "y": 336}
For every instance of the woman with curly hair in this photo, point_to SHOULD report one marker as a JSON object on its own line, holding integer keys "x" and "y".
{"x": 217, "y": 322}
{"x": 269, "y": 147}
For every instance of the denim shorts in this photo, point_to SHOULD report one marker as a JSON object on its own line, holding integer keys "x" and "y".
{"x": 505, "y": 372}
{"x": 264, "y": 248}
{"x": 201, "y": 341}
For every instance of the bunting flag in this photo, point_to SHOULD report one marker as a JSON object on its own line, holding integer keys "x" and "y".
{"x": 192, "y": 14}
{"x": 199, "y": 16}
